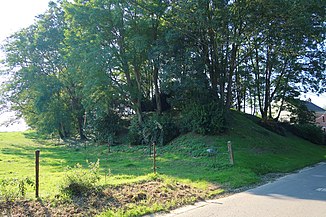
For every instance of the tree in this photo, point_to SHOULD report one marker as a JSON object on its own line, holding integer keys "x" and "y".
{"x": 282, "y": 37}
{"x": 85, "y": 63}
{"x": 41, "y": 88}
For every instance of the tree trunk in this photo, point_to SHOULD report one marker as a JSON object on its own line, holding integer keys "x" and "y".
{"x": 282, "y": 100}
{"x": 268, "y": 73}
{"x": 231, "y": 72}
{"x": 244, "y": 99}
{"x": 157, "y": 91}
{"x": 280, "y": 109}
{"x": 139, "y": 95}
{"x": 155, "y": 72}
{"x": 238, "y": 90}
{"x": 80, "y": 120}
{"x": 257, "y": 82}
{"x": 61, "y": 134}
{"x": 135, "y": 98}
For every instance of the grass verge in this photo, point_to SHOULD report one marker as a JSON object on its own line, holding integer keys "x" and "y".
{"x": 184, "y": 162}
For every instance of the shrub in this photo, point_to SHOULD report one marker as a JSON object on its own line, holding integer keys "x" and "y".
{"x": 12, "y": 188}
{"x": 135, "y": 132}
{"x": 104, "y": 126}
{"x": 309, "y": 132}
{"x": 170, "y": 129}
{"x": 159, "y": 128}
{"x": 203, "y": 118}
{"x": 79, "y": 181}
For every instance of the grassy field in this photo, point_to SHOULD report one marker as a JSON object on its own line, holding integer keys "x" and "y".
{"x": 257, "y": 151}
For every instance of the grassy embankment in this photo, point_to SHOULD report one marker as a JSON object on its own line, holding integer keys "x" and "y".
{"x": 257, "y": 151}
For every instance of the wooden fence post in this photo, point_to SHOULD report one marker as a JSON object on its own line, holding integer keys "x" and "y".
{"x": 230, "y": 153}
{"x": 37, "y": 172}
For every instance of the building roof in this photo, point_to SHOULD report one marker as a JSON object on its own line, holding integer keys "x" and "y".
{"x": 312, "y": 107}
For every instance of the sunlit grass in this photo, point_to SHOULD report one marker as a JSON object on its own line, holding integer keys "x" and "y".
{"x": 257, "y": 151}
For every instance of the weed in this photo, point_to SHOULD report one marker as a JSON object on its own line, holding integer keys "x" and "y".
{"x": 79, "y": 181}
{"x": 13, "y": 188}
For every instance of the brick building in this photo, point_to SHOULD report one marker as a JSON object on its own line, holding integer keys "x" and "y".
{"x": 320, "y": 114}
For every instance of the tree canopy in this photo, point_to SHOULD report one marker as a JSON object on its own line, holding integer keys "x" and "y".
{"x": 85, "y": 67}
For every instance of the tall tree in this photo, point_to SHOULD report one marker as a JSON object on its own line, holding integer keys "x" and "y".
{"x": 41, "y": 88}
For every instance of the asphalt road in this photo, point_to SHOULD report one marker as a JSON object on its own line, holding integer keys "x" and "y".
{"x": 302, "y": 194}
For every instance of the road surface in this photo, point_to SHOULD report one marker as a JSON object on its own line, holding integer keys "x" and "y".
{"x": 302, "y": 194}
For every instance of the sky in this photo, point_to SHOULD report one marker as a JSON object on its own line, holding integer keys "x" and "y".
{"x": 17, "y": 14}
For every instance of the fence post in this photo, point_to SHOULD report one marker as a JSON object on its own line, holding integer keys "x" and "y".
{"x": 230, "y": 153}
{"x": 154, "y": 157}
{"x": 37, "y": 172}
{"x": 109, "y": 147}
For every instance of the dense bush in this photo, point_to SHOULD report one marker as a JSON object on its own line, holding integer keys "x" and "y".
{"x": 170, "y": 129}
{"x": 309, "y": 132}
{"x": 159, "y": 128}
{"x": 202, "y": 118}
{"x": 200, "y": 110}
{"x": 194, "y": 117}
{"x": 79, "y": 181}
{"x": 134, "y": 132}
{"x": 105, "y": 126}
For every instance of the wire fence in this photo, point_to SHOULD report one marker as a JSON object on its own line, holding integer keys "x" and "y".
{"x": 153, "y": 157}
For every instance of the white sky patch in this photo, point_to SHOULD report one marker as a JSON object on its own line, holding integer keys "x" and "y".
{"x": 15, "y": 15}
{"x": 19, "y": 125}
{"x": 318, "y": 100}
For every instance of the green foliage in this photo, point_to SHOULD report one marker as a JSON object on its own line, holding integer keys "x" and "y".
{"x": 199, "y": 109}
{"x": 104, "y": 126}
{"x": 41, "y": 90}
{"x": 194, "y": 87}
{"x": 257, "y": 151}
{"x": 135, "y": 136}
{"x": 94, "y": 57}
{"x": 301, "y": 113}
{"x": 169, "y": 125}
{"x": 159, "y": 128}
{"x": 309, "y": 132}
{"x": 203, "y": 118}
{"x": 13, "y": 188}
{"x": 79, "y": 181}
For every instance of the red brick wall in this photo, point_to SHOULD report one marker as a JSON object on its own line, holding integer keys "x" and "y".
{"x": 321, "y": 120}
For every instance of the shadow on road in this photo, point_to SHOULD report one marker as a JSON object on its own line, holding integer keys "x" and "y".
{"x": 308, "y": 184}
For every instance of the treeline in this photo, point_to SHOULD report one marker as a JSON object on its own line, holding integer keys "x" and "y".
{"x": 93, "y": 68}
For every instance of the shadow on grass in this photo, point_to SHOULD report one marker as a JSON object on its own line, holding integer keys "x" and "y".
{"x": 124, "y": 160}
{"x": 186, "y": 159}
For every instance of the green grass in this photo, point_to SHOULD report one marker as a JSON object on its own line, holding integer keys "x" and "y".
{"x": 17, "y": 160}
{"x": 257, "y": 151}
